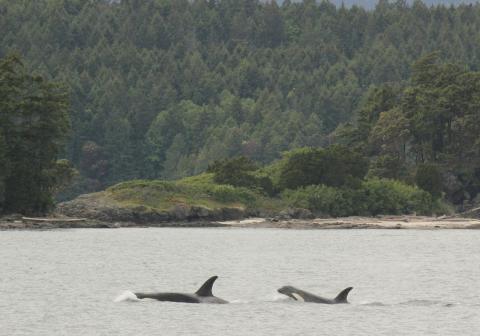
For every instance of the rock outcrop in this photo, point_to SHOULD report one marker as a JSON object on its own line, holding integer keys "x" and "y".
{"x": 96, "y": 207}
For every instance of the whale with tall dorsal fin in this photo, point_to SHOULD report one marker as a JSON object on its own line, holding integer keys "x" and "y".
{"x": 301, "y": 295}
{"x": 202, "y": 295}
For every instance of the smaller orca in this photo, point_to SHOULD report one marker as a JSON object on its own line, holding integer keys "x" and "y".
{"x": 300, "y": 295}
{"x": 202, "y": 295}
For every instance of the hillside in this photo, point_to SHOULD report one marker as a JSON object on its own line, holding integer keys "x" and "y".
{"x": 159, "y": 89}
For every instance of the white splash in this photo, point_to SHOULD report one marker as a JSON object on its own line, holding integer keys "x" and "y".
{"x": 126, "y": 296}
{"x": 279, "y": 298}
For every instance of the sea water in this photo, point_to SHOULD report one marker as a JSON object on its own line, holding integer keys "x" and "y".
{"x": 81, "y": 282}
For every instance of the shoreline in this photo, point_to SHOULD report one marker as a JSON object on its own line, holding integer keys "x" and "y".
{"x": 358, "y": 222}
{"x": 354, "y": 222}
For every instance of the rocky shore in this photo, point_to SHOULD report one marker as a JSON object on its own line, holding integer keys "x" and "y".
{"x": 99, "y": 211}
{"x": 18, "y": 222}
{"x": 99, "y": 208}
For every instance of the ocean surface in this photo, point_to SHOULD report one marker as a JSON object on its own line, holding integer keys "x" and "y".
{"x": 77, "y": 282}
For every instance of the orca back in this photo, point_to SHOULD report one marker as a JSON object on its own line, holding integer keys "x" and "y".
{"x": 172, "y": 297}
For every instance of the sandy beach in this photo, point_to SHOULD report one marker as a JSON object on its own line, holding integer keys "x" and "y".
{"x": 381, "y": 222}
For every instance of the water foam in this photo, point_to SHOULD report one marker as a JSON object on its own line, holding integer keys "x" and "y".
{"x": 280, "y": 298}
{"x": 425, "y": 303}
{"x": 374, "y": 304}
{"x": 126, "y": 296}
{"x": 240, "y": 301}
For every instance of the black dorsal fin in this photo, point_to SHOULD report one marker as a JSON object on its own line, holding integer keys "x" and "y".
{"x": 206, "y": 289}
{"x": 342, "y": 297}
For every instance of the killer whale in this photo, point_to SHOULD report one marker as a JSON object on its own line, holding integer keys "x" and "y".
{"x": 301, "y": 295}
{"x": 202, "y": 295}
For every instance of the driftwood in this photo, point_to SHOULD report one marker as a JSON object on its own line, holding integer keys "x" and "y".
{"x": 53, "y": 220}
{"x": 471, "y": 211}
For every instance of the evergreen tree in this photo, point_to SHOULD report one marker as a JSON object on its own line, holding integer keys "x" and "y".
{"x": 34, "y": 121}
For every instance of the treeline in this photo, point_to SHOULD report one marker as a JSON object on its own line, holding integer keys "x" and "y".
{"x": 33, "y": 125}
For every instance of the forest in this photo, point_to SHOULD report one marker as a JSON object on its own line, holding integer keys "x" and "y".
{"x": 161, "y": 89}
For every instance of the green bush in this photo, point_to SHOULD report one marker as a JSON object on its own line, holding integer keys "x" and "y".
{"x": 374, "y": 197}
{"x": 229, "y": 194}
{"x": 387, "y": 166}
{"x": 233, "y": 171}
{"x": 429, "y": 178}
{"x": 334, "y": 166}
{"x": 385, "y": 196}
{"x": 323, "y": 200}
{"x": 239, "y": 172}
{"x": 159, "y": 185}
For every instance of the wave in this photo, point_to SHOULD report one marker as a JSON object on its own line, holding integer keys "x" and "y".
{"x": 239, "y": 301}
{"x": 273, "y": 298}
{"x": 280, "y": 298}
{"x": 130, "y": 296}
{"x": 415, "y": 302}
{"x": 426, "y": 303}
{"x": 374, "y": 304}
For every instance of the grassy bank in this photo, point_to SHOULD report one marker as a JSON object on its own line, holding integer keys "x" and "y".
{"x": 196, "y": 191}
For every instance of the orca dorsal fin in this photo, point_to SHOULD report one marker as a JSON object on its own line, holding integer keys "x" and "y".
{"x": 342, "y": 297}
{"x": 206, "y": 289}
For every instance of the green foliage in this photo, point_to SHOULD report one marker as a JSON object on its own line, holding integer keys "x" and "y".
{"x": 62, "y": 173}
{"x": 390, "y": 134}
{"x": 4, "y": 168}
{"x": 374, "y": 197}
{"x": 197, "y": 180}
{"x": 334, "y": 166}
{"x": 230, "y": 194}
{"x": 239, "y": 172}
{"x": 429, "y": 127}
{"x": 228, "y": 169}
{"x": 429, "y": 178}
{"x": 323, "y": 200}
{"x": 387, "y": 166}
{"x": 378, "y": 100}
{"x": 33, "y": 123}
{"x": 394, "y": 197}
{"x": 159, "y": 185}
